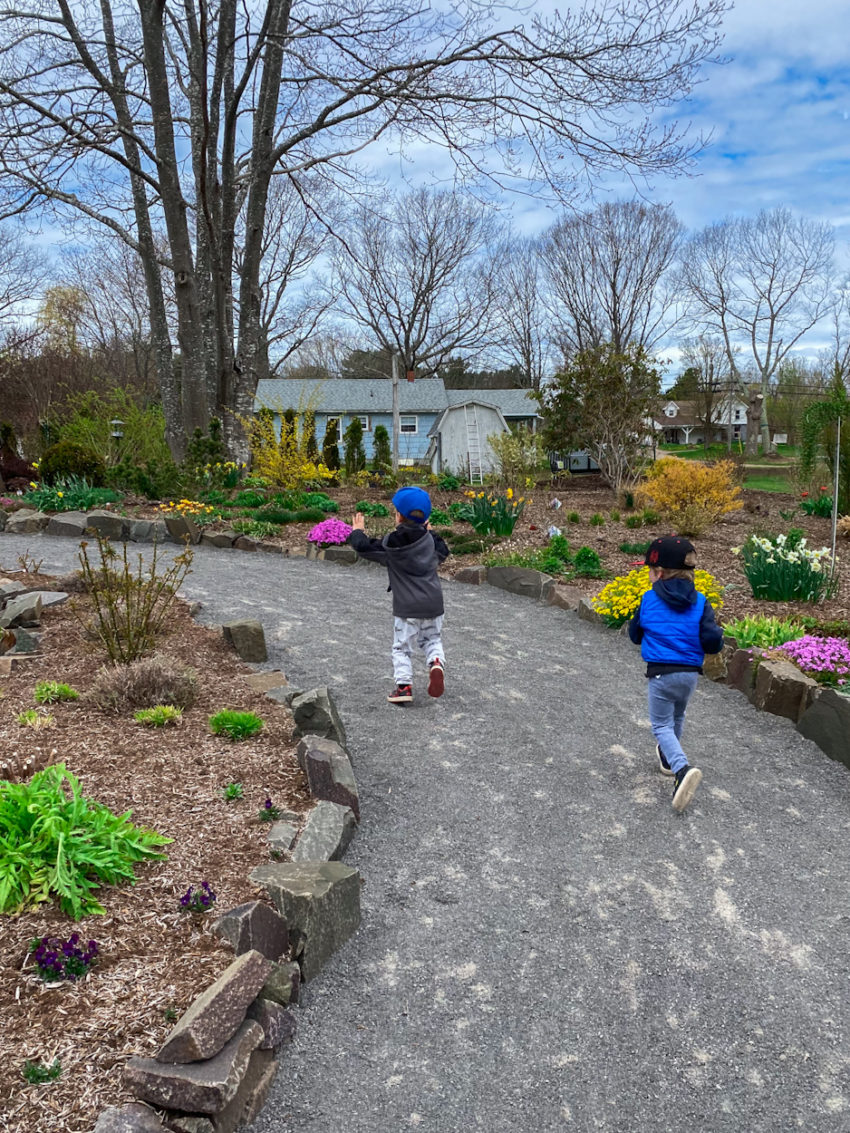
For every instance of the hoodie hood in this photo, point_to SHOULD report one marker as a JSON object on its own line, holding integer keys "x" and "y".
{"x": 678, "y": 593}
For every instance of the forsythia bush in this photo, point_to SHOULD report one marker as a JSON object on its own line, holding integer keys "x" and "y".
{"x": 690, "y": 495}
{"x": 284, "y": 463}
{"x": 617, "y": 602}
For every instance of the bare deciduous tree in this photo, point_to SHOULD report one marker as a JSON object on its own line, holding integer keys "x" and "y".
{"x": 609, "y": 275}
{"x": 158, "y": 115}
{"x": 705, "y": 357}
{"x": 525, "y": 337}
{"x": 761, "y": 282}
{"x": 22, "y": 270}
{"x": 416, "y": 278}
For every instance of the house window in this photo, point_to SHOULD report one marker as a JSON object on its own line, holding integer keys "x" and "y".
{"x": 670, "y": 410}
{"x": 737, "y": 414}
{"x": 364, "y": 420}
{"x": 409, "y": 424}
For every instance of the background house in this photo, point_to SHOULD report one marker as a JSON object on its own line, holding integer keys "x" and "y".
{"x": 446, "y": 429}
{"x": 683, "y": 422}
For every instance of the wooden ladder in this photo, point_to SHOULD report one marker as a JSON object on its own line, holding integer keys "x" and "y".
{"x": 473, "y": 446}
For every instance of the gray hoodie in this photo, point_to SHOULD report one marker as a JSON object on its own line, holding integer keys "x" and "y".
{"x": 411, "y": 556}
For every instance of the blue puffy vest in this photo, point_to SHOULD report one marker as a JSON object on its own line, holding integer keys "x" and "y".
{"x": 671, "y": 637}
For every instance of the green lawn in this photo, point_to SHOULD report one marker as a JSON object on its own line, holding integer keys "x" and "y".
{"x": 719, "y": 452}
{"x": 775, "y": 483}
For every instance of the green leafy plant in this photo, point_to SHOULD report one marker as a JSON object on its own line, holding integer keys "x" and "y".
{"x": 51, "y": 692}
{"x": 70, "y": 493}
{"x": 439, "y": 518}
{"x": 597, "y": 520}
{"x": 763, "y": 631}
{"x": 159, "y": 716}
{"x": 491, "y": 514}
{"x": 782, "y": 568}
{"x": 32, "y": 718}
{"x": 634, "y": 521}
{"x": 268, "y": 812}
{"x": 233, "y": 792}
{"x": 248, "y": 497}
{"x": 54, "y": 842}
{"x": 573, "y": 517}
{"x": 235, "y": 725}
{"x": 821, "y": 504}
{"x": 129, "y": 606}
{"x": 588, "y": 564}
{"x": 66, "y": 458}
{"x": 321, "y": 501}
{"x": 37, "y": 1073}
{"x": 448, "y": 482}
{"x": 256, "y": 528}
{"x": 170, "y": 1014}
{"x": 372, "y": 509}
{"x": 634, "y": 548}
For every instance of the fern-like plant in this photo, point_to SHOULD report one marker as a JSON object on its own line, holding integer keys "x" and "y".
{"x": 50, "y": 692}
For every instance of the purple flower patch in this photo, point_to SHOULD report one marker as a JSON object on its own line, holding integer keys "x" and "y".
{"x": 331, "y": 532}
{"x": 57, "y": 959}
{"x": 199, "y": 900}
{"x": 825, "y": 659}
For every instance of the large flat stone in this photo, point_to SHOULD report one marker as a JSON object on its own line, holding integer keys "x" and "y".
{"x": 472, "y": 575}
{"x": 183, "y": 529}
{"x": 780, "y": 688}
{"x": 315, "y": 714}
{"x": 281, "y": 837}
{"x": 327, "y": 832}
{"x": 345, "y": 556}
{"x": 22, "y": 610}
{"x": 195, "y": 1087}
{"x": 320, "y": 902}
{"x": 218, "y": 538}
{"x": 741, "y": 671}
{"x": 247, "y": 638}
{"x": 586, "y": 612}
{"x": 827, "y": 723}
{"x": 329, "y": 772}
{"x": 521, "y": 580}
{"x": 9, "y": 587}
{"x": 216, "y": 1015}
{"x": 268, "y": 679}
{"x": 564, "y": 597}
{"x": 256, "y": 927}
{"x": 26, "y": 522}
{"x": 107, "y": 524}
{"x": 251, "y": 1095}
{"x": 131, "y": 1118}
{"x": 71, "y": 523}
{"x": 278, "y": 1024}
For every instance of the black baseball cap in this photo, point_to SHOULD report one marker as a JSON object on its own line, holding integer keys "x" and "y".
{"x": 670, "y": 552}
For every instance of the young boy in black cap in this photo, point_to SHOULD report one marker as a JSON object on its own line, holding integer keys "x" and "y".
{"x": 674, "y": 626}
{"x": 411, "y": 555}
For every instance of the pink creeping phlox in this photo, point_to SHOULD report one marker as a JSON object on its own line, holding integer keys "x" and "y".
{"x": 826, "y": 659}
{"x": 332, "y": 531}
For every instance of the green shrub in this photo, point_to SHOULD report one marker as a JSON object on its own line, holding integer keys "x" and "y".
{"x": 130, "y": 606}
{"x": 597, "y": 520}
{"x": 448, "y": 482}
{"x": 634, "y": 548}
{"x": 159, "y": 479}
{"x": 330, "y": 446}
{"x": 54, "y": 842}
{"x": 236, "y": 725}
{"x": 159, "y": 716}
{"x": 310, "y": 515}
{"x": 372, "y": 509}
{"x": 588, "y": 563}
{"x": 559, "y": 546}
{"x": 763, "y": 632}
{"x": 355, "y": 453}
{"x": 573, "y": 517}
{"x": 66, "y": 458}
{"x": 634, "y": 521}
{"x": 439, "y": 518}
{"x": 248, "y": 497}
{"x": 256, "y": 529}
{"x": 382, "y": 457}
{"x": 50, "y": 692}
{"x": 318, "y": 500}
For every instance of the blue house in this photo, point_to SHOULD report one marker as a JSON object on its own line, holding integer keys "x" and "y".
{"x": 428, "y": 425}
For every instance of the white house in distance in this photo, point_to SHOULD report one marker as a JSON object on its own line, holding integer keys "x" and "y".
{"x": 446, "y": 429}
{"x": 680, "y": 422}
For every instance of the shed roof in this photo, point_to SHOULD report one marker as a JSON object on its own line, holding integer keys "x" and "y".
{"x": 374, "y": 395}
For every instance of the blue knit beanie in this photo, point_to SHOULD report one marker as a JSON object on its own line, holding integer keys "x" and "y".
{"x": 413, "y": 503}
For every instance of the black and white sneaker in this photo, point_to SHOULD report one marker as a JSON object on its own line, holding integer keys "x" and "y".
{"x": 687, "y": 781}
{"x": 663, "y": 766}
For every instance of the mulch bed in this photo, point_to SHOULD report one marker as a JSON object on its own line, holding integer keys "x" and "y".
{"x": 154, "y": 959}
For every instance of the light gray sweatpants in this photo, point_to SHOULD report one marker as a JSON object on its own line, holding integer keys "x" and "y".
{"x": 424, "y": 632}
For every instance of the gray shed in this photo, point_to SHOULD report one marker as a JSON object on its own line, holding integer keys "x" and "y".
{"x": 458, "y": 439}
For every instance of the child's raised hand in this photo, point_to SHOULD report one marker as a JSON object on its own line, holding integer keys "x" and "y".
{"x": 359, "y": 521}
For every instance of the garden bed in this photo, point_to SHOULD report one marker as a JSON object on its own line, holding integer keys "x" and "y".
{"x": 154, "y": 959}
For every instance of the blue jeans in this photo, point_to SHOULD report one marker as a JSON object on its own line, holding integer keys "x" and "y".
{"x": 668, "y": 698}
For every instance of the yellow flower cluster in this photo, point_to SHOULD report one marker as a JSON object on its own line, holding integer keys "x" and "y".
{"x": 185, "y": 507}
{"x": 228, "y": 466}
{"x": 619, "y": 599}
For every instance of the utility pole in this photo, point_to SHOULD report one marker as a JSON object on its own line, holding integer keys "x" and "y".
{"x": 396, "y": 423}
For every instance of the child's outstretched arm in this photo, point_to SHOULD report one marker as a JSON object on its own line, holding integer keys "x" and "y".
{"x": 364, "y": 546}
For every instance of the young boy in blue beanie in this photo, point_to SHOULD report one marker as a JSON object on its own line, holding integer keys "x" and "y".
{"x": 675, "y": 628}
{"x": 411, "y": 555}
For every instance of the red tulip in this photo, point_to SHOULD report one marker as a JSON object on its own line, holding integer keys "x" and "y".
{"x": 805, "y": 494}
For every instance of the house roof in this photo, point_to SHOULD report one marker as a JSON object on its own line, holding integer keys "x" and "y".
{"x": 438, "y": 424}
{"x": 374, "y": 395}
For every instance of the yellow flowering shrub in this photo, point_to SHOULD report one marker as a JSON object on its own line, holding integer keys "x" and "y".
{"x": 690, "y": 495}
{"x": 284, "y": 462}
{"x": 618, "y": 600}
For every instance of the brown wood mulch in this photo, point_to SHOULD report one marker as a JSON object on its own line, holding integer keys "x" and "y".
{"x": 154, "y": 959}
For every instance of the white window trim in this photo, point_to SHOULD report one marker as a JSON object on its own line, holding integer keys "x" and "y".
{"x": 408, "y": 417}
{"x": 364, "y": 420}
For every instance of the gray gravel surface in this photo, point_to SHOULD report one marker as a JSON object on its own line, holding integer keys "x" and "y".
{"x": 545, "y": 944}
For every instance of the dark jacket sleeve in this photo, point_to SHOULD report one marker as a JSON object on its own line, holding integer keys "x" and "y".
{"x": 710, "y": 633}
{"x": 367, "y": 548}
{"x": 441, "y": 547}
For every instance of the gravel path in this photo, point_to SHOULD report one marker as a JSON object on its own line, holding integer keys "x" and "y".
{"x": 545, "y": 944}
